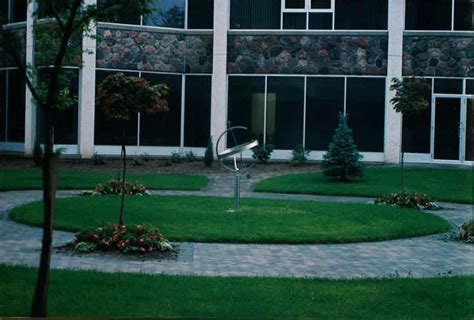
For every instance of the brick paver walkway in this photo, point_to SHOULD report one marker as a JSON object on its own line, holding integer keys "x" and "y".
{"x": 417, "y": 257}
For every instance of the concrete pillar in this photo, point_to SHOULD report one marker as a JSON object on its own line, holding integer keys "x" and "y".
{"x": 219, "y": 71}
{"x": 30, "y": 108}
{"x": 86, "y": 116}
{"x": 393, "y": 120}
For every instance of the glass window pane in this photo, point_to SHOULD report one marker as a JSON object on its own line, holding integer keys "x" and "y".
{"x": 121, "y": 18}
{"x": 3, "y": 10}
{"x": 16, "y": 107}
{"x": 109, "y": 132}
{"x": 366, "y": 112}
{"x": 464, "y": 15}
{"x": 200, "y": 14}
{"x": 320, "y": 4}
{"x": 163, "y": 128}
{"x": 417, "y": 130}
{"x": 361, "y": 14}
{"x": 428, "y": 14}
{"x": 446, "y": 128}
{"x": 166, "y": 13}
{"x": 469, "y": 86}
{"x": 324, "y": 102}
{"x": 3, "y": 103}
{"x": 251, "y": 14}
{"x": 18, "y": 10}
{"x": 285, "y": 103}
{"x": 246, "y": 108}
{"x": 294, "y": 21}
{"x": 294, "y": 4}
{"x": 64, "y": 121}
{"x": 453, "y": 86}
{"x": 197, "y": 123}
{"x": 320, "y": 21}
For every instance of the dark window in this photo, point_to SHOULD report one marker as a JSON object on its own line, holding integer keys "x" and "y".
{"x": 469, "y": 86}
{"x": 163, "y": 128}
{"x": 417, "y": 130}
{"x": 453, "y": 86}
{"x": 361, "y": 14}
{"x": 120, "y": 17}
{"x": 246, "y": 107}
{"x": 65, "y": 121}
{"x": 366, "y": 112}
{"x": 285, "y": 103}
{"x": 18, "y": 10}
{"x": 197, "y": 120}
{"x": 16, "y": 107}
{"x": 295, "y": 4}
{"x": 3, "y": 104}
{"x": 294, "y": 21}
{"x": 325, "y": 100}
{"x": 320, "y": 21}
{"x": 251, "y": 14}
{"x": 464, "y": 15}
{"x": 3, "y": 11}
{"x": 428, "y": 14}
{"x": 320, "y": 4}
{"x": 200, "y": 14}
{"x": 166, "y": 13}
{"x": 109, "y": 132}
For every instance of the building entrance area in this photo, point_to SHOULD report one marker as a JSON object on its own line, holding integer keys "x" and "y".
{"x": 452, "y": 129}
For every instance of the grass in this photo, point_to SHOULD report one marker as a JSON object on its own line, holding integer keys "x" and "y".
{"x": 30, "y": 179}
{"x": 92, "y": 294}
{"x": 205, "y": 219}
{"x": 443, "y": 184}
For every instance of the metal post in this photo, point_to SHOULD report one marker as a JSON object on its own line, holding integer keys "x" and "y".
{"x": 237, "y": 191}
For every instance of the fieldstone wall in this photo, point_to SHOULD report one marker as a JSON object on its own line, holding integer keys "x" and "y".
{"x": 308, "y": 54}
{"x": 445, "y": 56}
{"x": 154, "y": 51}
{"x": 5, "y": 59}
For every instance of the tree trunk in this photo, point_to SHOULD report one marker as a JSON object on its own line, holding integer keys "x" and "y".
{"x": 124, "y": 170}
{"x": 40, "y": 299}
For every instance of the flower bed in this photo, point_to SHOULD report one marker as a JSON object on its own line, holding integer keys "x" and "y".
{"x": 114, "y": 187}
{"x": 137, "y": 239}
{"x": 466, "y": 232}
{"x": 408, "y": 200}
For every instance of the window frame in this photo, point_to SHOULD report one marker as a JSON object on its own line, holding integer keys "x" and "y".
{"x": 307, "y": 10}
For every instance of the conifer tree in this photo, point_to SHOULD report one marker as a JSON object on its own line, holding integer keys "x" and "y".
{"x": 342, "y": 161}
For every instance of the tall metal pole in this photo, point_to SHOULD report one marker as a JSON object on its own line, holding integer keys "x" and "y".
{"x": 237, "y": 192}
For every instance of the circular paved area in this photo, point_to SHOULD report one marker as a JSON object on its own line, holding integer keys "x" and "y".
{"x": 429, "y": 256}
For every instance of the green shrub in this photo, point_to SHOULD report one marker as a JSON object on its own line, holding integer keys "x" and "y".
{"x": 342, "y": 161}
{"x": 466, "y": 232}
{"x": 137, "y": 239}
{"x": 190, "y": 156}
{"x": 262, "y": 153}
{"x": 98, "y": 159}
{"x": 177, "y": 157}
{"x": 37, "y": 154}
{"x": 114, "y": 187}
{"x": 209, "y": 155}
{"x": 406, "y": 199}
{"x": 299, "y": 156}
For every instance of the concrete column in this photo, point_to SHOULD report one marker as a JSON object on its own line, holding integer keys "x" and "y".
{"x": 219, "y": 71}
{"x": 30, "y": 108}
{"x": 87, "y": 93}
{"x": 393, "y": 120}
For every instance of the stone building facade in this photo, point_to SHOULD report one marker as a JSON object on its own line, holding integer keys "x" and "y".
{"x": 283, "y": 69}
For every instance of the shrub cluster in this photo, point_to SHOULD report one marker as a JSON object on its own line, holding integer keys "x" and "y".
{"x": 114, "y": 187}
{"x": 408, "y": 200}
{"x": 299, "y": 156}
{"x": 466, "y": 232}
{"x": 262, "y": 153}
{"x": 114, "y": 237}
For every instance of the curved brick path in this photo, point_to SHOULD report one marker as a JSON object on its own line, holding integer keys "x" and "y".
{"x": 417, "y": 257}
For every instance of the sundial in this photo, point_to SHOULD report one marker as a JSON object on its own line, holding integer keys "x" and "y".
{"x": 235, "y": 155}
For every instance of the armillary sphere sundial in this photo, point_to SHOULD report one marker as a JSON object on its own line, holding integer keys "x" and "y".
{"x": 236, "y": 154}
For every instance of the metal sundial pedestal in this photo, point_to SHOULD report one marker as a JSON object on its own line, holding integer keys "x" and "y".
{"x": 238, "y": 164}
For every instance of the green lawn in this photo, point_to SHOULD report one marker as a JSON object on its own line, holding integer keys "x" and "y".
{"x": 30, "y": 179}
{"x": 205, "y": 219}
{"x": 444, "y": 184}
{"x": 92, "y": 294}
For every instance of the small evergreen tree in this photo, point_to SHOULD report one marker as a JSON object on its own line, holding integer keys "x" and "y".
{"x": 342, "y": 161}
{"x": 37, "y": 154}
{"x": 209, "y": 155}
